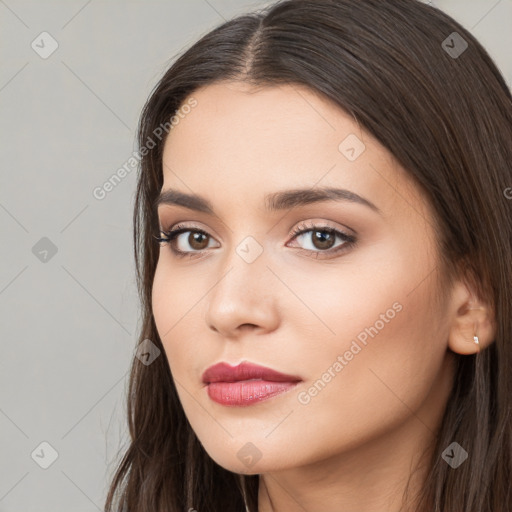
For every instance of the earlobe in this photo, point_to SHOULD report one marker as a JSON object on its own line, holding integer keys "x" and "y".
{"x": 472, "y": 327}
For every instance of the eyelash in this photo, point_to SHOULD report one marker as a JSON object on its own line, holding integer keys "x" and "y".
{"x": 170, "y": 236}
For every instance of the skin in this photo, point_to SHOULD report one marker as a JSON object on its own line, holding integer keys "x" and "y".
{"x": 354, "y": 445}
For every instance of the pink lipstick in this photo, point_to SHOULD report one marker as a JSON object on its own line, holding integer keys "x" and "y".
{"x": 245, "y": 384}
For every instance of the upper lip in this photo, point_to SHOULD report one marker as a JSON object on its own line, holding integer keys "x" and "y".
{"x": 223, "y": 372}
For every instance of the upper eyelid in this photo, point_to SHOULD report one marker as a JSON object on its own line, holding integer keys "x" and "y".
{"x": 314, "y": 221}
{"x": 184, "y": 229}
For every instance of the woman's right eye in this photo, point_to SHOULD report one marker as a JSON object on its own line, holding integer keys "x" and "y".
{"x": 195, "y": 239}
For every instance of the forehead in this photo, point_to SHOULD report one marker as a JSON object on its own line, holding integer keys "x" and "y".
{"x": 233, "y": 120}
{"x": 254, "y": 141}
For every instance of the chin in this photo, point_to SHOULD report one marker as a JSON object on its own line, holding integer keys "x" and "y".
{"x": 248, "y": 459}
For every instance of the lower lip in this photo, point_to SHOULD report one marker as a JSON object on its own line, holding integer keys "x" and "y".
{"x": 246, "y": 392}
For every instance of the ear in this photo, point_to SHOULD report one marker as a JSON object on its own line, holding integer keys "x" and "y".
{"x": 470, "y": 317}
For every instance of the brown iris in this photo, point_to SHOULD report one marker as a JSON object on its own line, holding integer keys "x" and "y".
{"x": 323, "y": 238}
{"x": 198, "y": 238}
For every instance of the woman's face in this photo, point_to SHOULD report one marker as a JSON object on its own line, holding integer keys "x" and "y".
{"x": 356, "y": 321}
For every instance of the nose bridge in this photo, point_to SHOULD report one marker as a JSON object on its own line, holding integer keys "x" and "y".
{"x": 244, "y": 270}
{"x": 243, "y": 293}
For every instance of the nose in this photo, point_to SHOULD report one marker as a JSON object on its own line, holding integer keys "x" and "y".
{"x": 243, "y": 299}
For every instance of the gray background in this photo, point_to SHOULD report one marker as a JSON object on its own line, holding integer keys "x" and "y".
{"x": 69, "y": 320}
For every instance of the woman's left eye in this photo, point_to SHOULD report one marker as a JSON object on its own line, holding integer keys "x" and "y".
{"x": 322, "y": 241}
{"x": 323, "y": 238}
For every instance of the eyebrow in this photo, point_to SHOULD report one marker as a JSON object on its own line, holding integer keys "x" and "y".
{"x": 275, "y": 201}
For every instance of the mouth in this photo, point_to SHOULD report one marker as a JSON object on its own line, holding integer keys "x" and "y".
{"x": 245, "y": 384}
{"x": 246, "y": 392}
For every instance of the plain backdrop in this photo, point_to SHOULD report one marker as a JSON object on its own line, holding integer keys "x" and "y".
{"x": 68, "y": 304}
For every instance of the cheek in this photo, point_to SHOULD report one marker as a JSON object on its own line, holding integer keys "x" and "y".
{"x": 169, "y": 298}
{"x": 172, "y": 295}
{"x": 177, "y": 297}
{"x": 161, "y": 301}
{"x": 390, "y": 347}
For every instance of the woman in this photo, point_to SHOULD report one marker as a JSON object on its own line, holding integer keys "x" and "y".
{"x": 322, "y": 235}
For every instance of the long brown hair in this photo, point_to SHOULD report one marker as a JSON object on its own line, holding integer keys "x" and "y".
{"x": 446, "y": 116}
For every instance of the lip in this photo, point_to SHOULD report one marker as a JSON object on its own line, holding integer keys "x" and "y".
{"x": 223, "y": 372}
{"x": 246, "y": 383}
